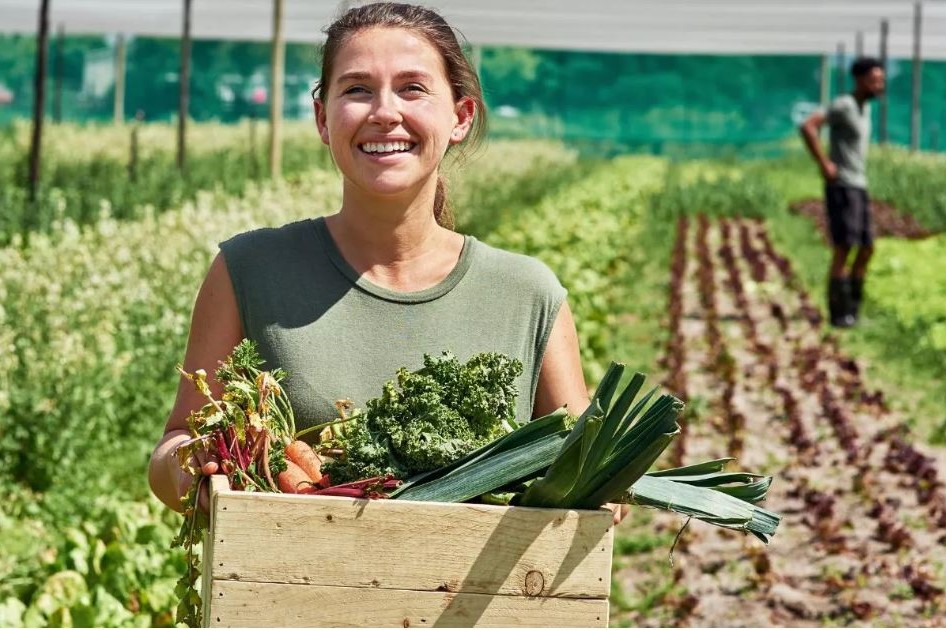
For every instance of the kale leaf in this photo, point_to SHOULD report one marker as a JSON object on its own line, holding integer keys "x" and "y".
{"x": 429, "y": 418}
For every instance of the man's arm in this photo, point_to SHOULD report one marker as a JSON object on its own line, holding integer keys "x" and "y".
{"x": 809, "y": 131}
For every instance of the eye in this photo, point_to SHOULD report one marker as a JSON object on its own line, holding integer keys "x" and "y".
{"x": 355, "y": 89}
{"x": 416, "y": 88}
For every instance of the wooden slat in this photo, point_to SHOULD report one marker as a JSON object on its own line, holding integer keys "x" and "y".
{"x": 249, "y": 604}
{"x": 412, "y": 545}
{"x": 218, "y": 484}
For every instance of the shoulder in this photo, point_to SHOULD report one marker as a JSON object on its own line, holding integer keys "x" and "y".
{"x": 267, "y": 237}
{"x": 517, "y": 271}
{"x": 842, "y": 104}
{"x": 266, "y": 243}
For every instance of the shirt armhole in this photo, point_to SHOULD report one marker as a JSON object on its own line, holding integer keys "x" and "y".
{"x": 237, "y": 289}
{"x": 543, "y": 342}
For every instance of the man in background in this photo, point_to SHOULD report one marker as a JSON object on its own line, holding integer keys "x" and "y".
{"x": 844, "y": 170}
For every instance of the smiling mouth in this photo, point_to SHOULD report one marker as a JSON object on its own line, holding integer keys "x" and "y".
{"x": 386, "y": 148}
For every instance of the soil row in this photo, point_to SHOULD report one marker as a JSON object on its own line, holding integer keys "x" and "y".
{"x": 864, "y": 509}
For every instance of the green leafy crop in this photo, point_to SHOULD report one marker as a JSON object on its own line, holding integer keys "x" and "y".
{"x": 429, "y": 418}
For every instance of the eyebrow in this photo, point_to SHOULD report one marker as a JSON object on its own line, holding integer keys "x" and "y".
{"x": 363, "y": 76}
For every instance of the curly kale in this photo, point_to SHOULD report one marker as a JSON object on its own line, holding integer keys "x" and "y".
{"x": 429, "y": 418}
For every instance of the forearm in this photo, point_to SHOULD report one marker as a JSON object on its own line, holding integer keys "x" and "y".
{"x": 164, "y": 471}
{"x": 813, "y": 143}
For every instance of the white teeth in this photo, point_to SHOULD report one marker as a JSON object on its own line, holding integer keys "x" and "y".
{"x": 386, "y": 147}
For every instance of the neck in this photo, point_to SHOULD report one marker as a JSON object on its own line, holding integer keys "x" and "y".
{"x": 387, "y": 231}
{"x": 861, "y": 97}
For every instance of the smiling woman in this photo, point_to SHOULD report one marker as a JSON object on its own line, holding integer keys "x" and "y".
{"x": 341, "y": 302}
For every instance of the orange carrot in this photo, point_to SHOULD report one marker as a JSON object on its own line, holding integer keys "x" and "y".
{"x": 302, "y": 455}
{"x": 293, "y": 480}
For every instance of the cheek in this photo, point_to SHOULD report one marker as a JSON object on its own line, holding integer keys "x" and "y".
{"x": 434, "y": 118}
{"x": 344, "y": 121}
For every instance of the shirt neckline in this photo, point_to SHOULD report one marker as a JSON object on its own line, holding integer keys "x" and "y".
{"x": 405, "y": 297}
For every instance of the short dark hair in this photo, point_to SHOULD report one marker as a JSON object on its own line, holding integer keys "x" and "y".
{"x": 863, "y": 65}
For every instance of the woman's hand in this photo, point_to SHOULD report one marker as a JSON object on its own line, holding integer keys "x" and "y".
{"x": 620, "y": 510}
{"x": 206, "y": 465}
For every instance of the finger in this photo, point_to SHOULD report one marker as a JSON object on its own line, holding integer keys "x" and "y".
{"x": 203, "y": 457}
{"x": 203, "y": 498}
{"x": 209, "y": 468}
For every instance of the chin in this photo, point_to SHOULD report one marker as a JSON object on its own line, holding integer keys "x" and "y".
{"x": 389, "y": 188}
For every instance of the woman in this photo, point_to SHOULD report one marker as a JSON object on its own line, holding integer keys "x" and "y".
{"x": 341, "y": 302}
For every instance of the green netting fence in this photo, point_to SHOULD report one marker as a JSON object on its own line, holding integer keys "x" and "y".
{"x": 666, "y": 104}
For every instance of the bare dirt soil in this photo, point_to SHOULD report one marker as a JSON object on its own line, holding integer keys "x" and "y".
{"x": 888, "y": 221}
{"x": 862, "y": 540}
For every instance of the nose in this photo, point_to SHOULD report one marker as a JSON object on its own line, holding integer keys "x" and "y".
{"x": 384, "y": 110}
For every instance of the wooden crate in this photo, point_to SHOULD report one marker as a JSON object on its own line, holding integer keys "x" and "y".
{"x": 294, "y": 560}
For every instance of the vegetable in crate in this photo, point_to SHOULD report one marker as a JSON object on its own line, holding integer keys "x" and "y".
{"x": 603, "y": 458}
{"x": 250, "y": 431}
{"x": 428, "y": 418}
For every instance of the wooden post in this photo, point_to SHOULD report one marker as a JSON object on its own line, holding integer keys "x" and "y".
{"x": 254, "y": 166}
{"x": 119, "y": 109}
{"x": 825, "y": 79}
{"x": 859, "y": 44}
{"x": 184, "y": 98}
{"x": 39, "y": 98}
{"x": 917, "y": 77}
{"x": 133, "y": 157}
{"x": 884, "y": 33}
{"x": 841, "y": 68}
{"x": 276, "y": 91}
{"x": 60, "y": 70}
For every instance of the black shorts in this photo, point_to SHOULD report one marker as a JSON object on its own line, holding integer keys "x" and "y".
{"x": 848, "y": 216}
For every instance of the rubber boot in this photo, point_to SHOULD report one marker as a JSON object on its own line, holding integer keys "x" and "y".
{"x": 857, "y": 294}
{"x": 839, "y": 303}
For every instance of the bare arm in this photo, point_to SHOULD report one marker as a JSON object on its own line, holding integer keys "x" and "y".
{"x": 215, "y": 330}
{"x": 561, "y": 381}
{"x": 809, "y": 131}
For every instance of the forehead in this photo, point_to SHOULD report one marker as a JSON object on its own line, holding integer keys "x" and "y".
{"x": 379, "y": 48}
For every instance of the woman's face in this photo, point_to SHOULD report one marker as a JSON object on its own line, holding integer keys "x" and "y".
{"x": 389, "y": 113}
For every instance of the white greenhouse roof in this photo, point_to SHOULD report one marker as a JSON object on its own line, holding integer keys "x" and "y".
{"x": 662, "y": 26}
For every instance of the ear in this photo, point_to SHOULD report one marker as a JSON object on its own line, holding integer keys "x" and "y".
{"x": 464, "y": 112}
{"x": 319, "y": 107}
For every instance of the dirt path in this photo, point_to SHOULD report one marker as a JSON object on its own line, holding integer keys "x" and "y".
{"x": 863, "y": 536}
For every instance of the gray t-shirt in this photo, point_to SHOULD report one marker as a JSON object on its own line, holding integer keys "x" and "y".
{"x": 340, "y": 336}
{"x": 849, "y": 137}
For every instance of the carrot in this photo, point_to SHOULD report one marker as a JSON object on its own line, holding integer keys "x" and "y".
{"x": 293, "y": 480}
{"x": 302, "y": 455}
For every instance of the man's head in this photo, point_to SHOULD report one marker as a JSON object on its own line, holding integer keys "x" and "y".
{"x": 870, "y": 80}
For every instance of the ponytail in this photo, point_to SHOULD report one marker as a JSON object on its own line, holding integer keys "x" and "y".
{"x": 442, "y": 212}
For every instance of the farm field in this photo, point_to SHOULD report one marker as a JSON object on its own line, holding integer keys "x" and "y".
{"x": 696, "y": 273}
{"x": 861, "y": 542}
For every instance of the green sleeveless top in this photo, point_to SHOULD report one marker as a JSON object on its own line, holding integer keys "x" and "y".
{"x": 340, "y": 336}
